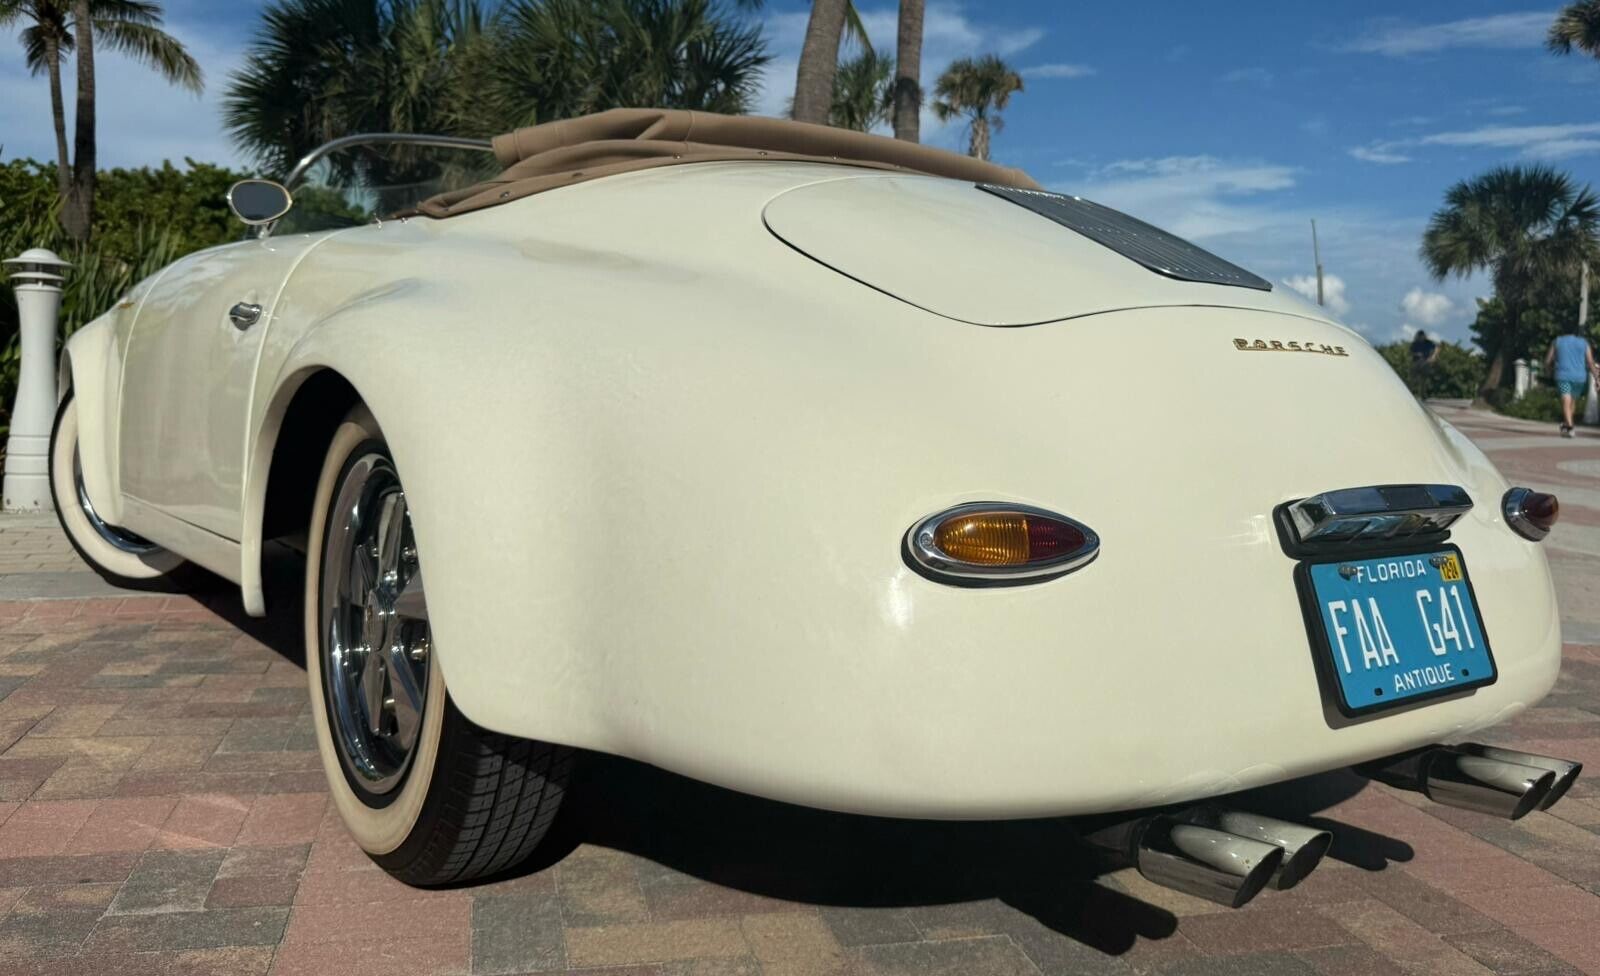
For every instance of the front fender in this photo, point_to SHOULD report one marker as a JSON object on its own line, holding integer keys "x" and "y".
{"x": 89, "y": 370}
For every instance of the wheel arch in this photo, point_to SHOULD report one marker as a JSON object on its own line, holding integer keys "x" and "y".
{"x": 295, "y": 431}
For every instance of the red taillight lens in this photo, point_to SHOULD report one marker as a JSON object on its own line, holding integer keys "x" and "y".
{"x": 999, "y": 542}
{"x": 1532, "y": 514}
{"x": 1542, "y": 509}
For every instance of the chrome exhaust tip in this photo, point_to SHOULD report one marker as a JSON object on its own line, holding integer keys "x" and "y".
{"x": 1566, "y": 770}
{"x": 1303, "y": 847}
{"x": 1458, "y": 778}
{"x": 1201, "y": 861}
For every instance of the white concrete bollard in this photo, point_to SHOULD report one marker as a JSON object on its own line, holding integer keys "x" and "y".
{"x": 36, "y": 276}
{"x": 1523, "y": 378}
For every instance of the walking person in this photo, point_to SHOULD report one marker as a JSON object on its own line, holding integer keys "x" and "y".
{"x": 1423, "y": 352}
{"x": 1570, "y": 360}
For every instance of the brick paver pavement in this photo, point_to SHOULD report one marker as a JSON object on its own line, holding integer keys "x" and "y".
{"x": 162, "y": 811}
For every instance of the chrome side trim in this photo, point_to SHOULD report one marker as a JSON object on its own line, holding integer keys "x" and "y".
{"x": 1379, "y": 512}
{"x": 926, "y": 555}
{"x": 1512, "y": 506}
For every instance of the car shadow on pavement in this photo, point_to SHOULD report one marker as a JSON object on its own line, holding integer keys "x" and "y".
{"x": 815, "y": 857}
{"x": 777, "y": 850}
{"x": 1030, "y": 877}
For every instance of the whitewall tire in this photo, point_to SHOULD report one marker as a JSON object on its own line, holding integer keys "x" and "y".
{"x": 430, "y": 796}
{"x": 118, "y": 555}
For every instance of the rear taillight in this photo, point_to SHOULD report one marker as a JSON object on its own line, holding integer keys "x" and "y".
{"x": 998, "y": 543}
{"x": 1531, "y": 514}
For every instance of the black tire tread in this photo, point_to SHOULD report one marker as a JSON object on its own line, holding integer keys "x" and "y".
{"x": 493, "y": 799}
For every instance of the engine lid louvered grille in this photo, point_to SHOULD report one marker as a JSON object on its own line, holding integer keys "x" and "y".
{"x": 1134, "y": 239}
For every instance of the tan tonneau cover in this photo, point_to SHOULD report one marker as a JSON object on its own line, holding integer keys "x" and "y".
{"x": 543, "y": 157}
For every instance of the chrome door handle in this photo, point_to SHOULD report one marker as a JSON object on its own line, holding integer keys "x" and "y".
{"x": 244, "y": 315}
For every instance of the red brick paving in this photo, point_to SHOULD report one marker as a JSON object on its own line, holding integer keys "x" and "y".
{"x": 165, "y": 814}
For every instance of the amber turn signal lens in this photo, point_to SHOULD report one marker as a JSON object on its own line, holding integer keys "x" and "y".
{"x": 1005, "y": 538}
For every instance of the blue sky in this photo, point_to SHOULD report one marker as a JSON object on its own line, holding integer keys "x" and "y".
{"x": 1232, "y": 125}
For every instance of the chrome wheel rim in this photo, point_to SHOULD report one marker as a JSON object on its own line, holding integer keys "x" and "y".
{"x": 119, "y": 538}
{"x": 376, "y": 640}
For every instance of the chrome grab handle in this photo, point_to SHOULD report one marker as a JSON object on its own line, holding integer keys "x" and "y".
{"x": 244, "y": 315}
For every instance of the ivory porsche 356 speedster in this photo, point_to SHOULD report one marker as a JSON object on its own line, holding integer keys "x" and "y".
{"x": 823, "y": 467}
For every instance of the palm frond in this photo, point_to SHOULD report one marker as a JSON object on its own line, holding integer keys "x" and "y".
{"x": 153, "y": 47}
{"x": 1576, "y": 27}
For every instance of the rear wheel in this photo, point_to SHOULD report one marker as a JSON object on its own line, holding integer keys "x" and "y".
{"x": 427, "y": 794}
{"x": 120, "y": 556}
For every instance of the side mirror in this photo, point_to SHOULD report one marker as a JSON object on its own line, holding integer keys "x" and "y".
{"x": 258, "y": 202}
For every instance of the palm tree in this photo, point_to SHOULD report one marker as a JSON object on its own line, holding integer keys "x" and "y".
{"x": 819, "y": 60}
{"x": 908, "y": 73}
{"x": 977, "y": 89}
{"x": 1526, "y": 226}
{"x": 319, "y": 69}
{"x": 56, "y": 30}
{"x": 862, "y": 93}
{"x": 1577, "y": 26}
{"x": 565, "y": 58}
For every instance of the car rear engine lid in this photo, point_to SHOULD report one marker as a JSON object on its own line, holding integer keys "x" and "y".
{"x": 965, "y": 252}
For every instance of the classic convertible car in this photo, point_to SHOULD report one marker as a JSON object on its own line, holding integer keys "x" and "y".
{"x": 824, "y": 467}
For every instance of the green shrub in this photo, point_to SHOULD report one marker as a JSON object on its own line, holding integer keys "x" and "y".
{"x": 1539, "y": 403}
{"x": 1456, "y": 373}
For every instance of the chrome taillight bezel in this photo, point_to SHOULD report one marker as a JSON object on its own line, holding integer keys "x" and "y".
{"x": 923, "y": 554}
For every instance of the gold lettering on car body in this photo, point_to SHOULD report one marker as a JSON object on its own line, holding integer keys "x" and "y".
{"x": 1278, "y": 345}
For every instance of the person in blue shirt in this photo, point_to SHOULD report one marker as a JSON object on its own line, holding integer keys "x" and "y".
{"x": 1570, "y": 360}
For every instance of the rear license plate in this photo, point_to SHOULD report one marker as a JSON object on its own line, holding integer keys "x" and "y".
{"x": 1396, "y": 629}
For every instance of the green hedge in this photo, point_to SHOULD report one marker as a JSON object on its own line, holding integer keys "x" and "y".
{"x": 144, "y": 218}
{"x": 1457, "y": 372}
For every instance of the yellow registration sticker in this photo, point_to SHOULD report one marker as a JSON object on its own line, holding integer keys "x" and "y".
{"x": 1450, "y": 569}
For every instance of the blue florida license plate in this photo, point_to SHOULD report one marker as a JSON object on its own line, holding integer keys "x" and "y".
{"x": 1399, "y": 628}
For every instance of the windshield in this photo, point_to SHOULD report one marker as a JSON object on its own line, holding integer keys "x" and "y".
{"x": 361, "y": 183}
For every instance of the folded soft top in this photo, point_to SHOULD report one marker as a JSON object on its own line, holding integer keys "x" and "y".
{"x": 556, "y": 154}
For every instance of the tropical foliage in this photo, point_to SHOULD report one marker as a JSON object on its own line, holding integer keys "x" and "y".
{"x": 978, "y": 90}
{"x": 52, "y": 32}
{"x": 146, "y": 218}
{"x": 863, "y": 96}
{"x": 1455, "y": 373}
{"x": 319, "y": 69}
{"x": 1576, "y": 27}
{"x": 1529, "y": 227}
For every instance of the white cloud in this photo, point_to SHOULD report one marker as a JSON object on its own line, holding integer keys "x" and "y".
{"x": 1514, "y": 136}
{"x": 1562, "y": 148}
{"x": 1058, "y": 71}
{"x": 1333, "y": 294}
{"x": 1378, "y": 153}
{"x": 1249, "y": 76}
{"x": 1505, "y": 110}
{"x": 1394, "y": 39}
{"x": 1427, "y": 307}
{"x": 1555, "y": 141}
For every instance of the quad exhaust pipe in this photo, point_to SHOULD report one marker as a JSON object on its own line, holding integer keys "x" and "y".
{"x": 1500, "y": 782}
{"x": 1223, "y": 856}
